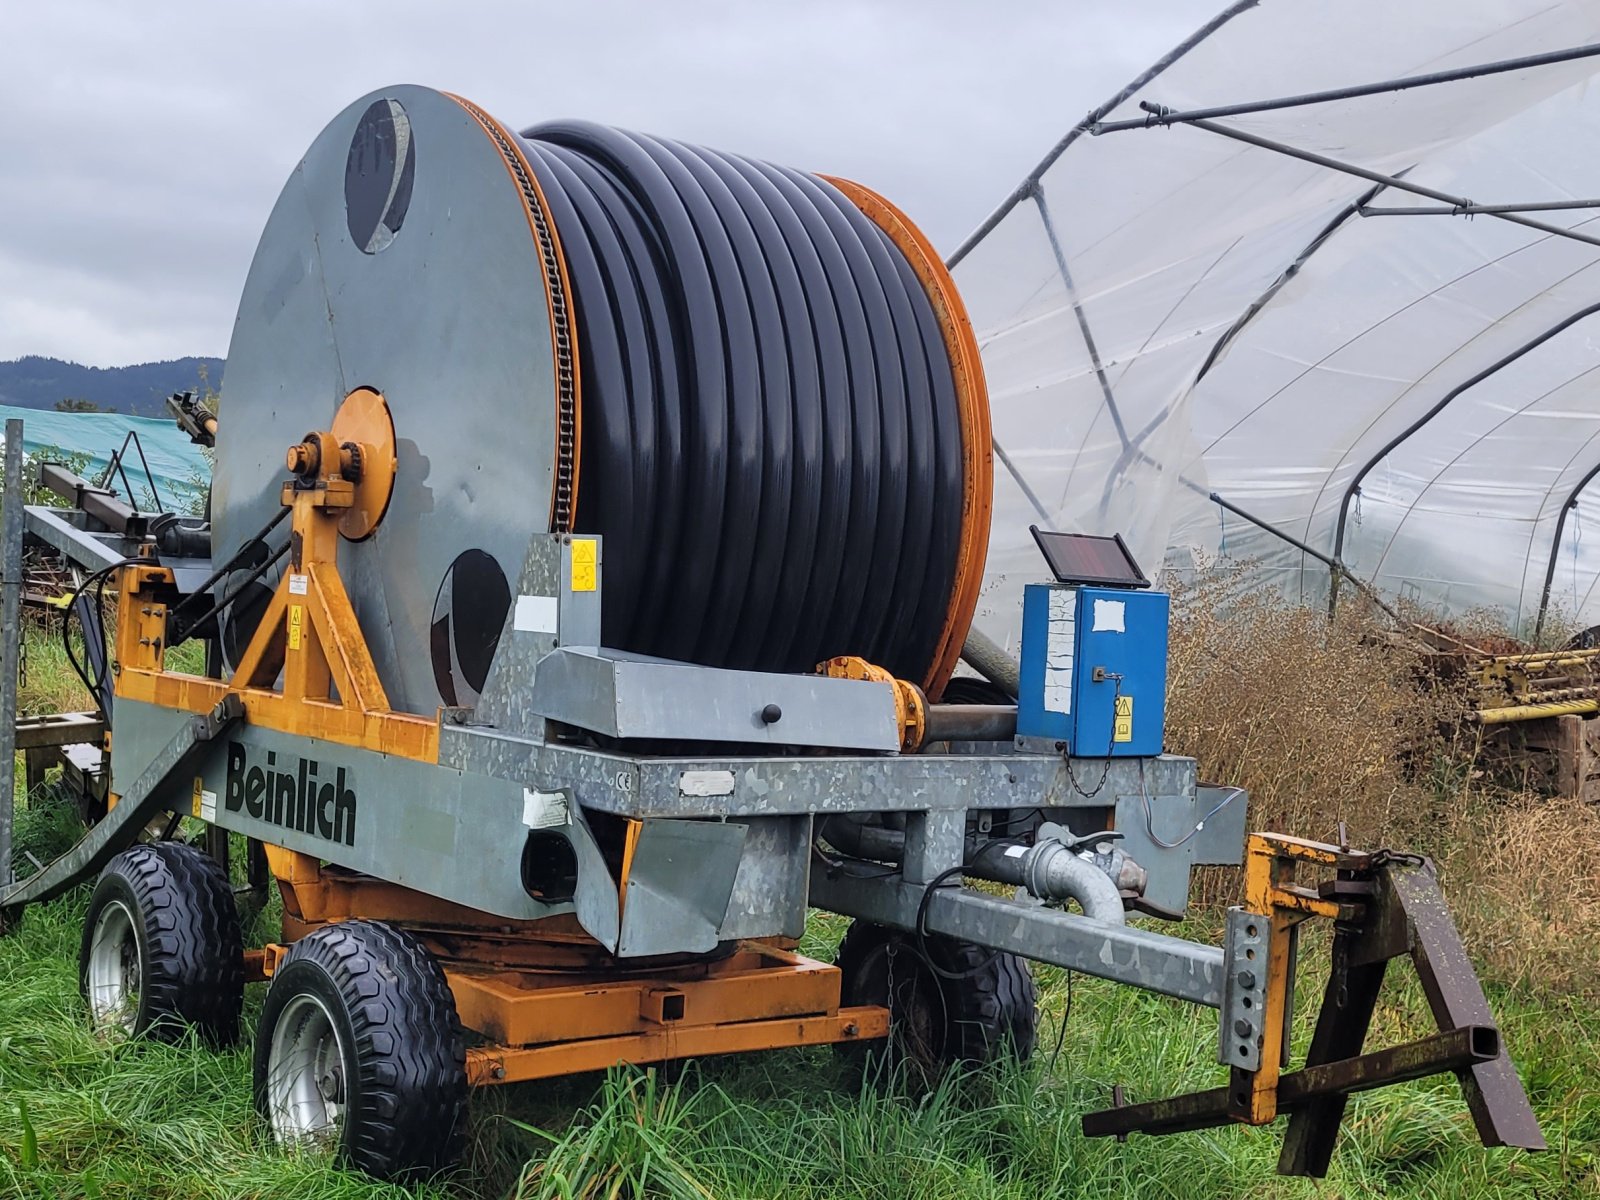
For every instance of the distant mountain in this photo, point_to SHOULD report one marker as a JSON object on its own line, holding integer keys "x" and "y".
{"x": 140, "y": 390}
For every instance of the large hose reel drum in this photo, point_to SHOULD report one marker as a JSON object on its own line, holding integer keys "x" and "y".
{"x": 758, "y": 385}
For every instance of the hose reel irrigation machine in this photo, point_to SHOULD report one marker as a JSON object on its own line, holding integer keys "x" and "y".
{"x": 597, "y": 525}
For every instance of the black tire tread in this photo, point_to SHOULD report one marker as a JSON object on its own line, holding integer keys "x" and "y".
{"x": 994, "y": 1007}
{"x": 992, "y": 1011}
{"x": 405, "y": 1117}
{"x": 192, "y": 946}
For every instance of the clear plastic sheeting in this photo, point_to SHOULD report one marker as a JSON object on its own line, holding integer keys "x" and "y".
{"x": 1167, "y": 313}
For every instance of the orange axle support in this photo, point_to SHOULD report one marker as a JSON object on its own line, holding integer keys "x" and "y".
{"x": 545, "y": 1024}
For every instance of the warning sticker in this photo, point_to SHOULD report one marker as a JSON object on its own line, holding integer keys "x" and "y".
{"x": 1122, "y": 729}
{"x": 585, "y": 560}
{"x": 204, "y": 803}
{"x": 297, "y": 616}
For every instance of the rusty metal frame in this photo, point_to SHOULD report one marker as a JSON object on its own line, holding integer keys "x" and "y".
{"x": 1383, "y": 906}
{"x": 1301, "y": 1091}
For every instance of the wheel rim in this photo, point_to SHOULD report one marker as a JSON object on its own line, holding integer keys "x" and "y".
{"x": 306, "y": 1075}
{"x": 114, "y": 970}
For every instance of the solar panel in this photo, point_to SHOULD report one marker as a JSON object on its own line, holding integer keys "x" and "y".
{"x": 1088, "y": 558}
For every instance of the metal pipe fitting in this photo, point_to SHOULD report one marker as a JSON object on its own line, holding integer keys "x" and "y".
{"x": 1117, "y": 866}
{"x": 1050, "y": 870}
{"x": 970, "y": 723}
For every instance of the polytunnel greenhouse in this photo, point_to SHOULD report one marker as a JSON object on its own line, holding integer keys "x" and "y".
{"x": 1317, "y": 294}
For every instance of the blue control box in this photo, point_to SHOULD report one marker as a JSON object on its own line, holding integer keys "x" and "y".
{"x": 1094, "y": 669}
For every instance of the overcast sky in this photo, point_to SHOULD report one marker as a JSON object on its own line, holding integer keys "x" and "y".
{"x": 143, "y": 144}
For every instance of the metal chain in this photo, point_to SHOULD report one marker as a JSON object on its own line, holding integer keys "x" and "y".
{"x": 564, "y": 503}
{"x": 1105, "y": 766}
{"x": 893, "y": 947}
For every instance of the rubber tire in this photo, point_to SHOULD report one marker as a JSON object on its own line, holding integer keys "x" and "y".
{"x": 989, "y": 1013}
{"x": 191, "y": 952}
{"x": 405, "y": 1062}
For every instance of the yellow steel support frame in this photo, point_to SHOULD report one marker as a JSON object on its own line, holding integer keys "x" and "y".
{"x": 540, "y": 989}
{"x": 759, "y": 998}
{"x": 1271, "y": 862}
{"x": 542, "y": 1024}
{"x": 308, "y": 632}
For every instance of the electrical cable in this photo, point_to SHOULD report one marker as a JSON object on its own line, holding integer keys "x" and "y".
{"x": 227, "y": 600}
{"x": 842, "y": 866}
{"x": 771, "y": 415}
{"x": 921, "y": 930}
{"x": 1149, "y": 816}
{"x": 1061, "y": 1033}
{"x": 245, "y": 547}
{"x": 1017, "y": 818}
{"x": 100, "y": 577}
{"x": 97, "y": 577}
{"x": 72, "y": 659}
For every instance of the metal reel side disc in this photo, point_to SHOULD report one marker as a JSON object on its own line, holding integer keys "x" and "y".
{"x": 403, "y": 264}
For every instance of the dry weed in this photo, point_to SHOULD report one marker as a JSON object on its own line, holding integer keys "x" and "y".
{"x": 1327, "y": 721}
{"x": 1321, "y": 721}
{"x": 1523, "y": 874}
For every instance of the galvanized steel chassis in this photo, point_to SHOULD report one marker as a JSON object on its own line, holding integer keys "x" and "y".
{"x": 723, "y": 845}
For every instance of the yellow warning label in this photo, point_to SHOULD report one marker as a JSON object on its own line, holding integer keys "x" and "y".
{"x": 296, "y": 619}
{"x": 585, "y": 559}
{"x": 1122, "y": 730}
{"x": 194, "y": 805}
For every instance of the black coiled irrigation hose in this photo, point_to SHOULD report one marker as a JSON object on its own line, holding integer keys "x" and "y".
{"x": 772, "y": 443}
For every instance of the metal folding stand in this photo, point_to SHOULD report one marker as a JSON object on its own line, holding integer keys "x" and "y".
{"x": 1383, "y": 907}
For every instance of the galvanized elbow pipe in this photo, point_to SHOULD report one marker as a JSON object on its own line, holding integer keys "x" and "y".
{"x": 1057, "y": 873}
{"x": 1052, "y": 871}
{"x": 1049, "y": 870}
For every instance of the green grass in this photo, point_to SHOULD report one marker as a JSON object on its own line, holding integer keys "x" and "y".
{"x": 80, "y": 1118}
{"x": 157, "y": 1122}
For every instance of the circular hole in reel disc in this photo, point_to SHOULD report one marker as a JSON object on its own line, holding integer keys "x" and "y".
{"x": 468, "y": 614}
{"x": 378, "y": 175}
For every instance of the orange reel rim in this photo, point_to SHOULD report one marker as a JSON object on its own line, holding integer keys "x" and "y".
{"x": 972, "y": 399}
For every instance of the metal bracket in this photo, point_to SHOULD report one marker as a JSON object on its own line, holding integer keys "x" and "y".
{"x": 1384, "y": 906}
{"x": 1244, "y": 991}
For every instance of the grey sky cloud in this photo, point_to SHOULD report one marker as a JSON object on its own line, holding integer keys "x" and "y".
{"x": 144, "y": 144}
